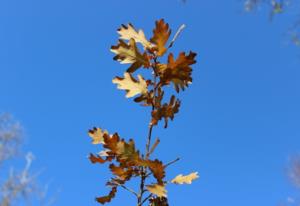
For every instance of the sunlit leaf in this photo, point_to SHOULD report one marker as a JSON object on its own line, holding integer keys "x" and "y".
{"x": 130, "y": 85}
{"x": 108, "y": 198}
{"x": 158, "y": 190}
{"x": 180, "y": 179}
{"x": 129, "y": 54}
{"x": 97, "y": 135}
{"x": 128, "y": 32}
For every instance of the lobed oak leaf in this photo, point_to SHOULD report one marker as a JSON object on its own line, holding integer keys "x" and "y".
{"x": 98, "y": 159}
{"x": 177, "y": 71}
{"x": 158, "y": 190}
{"x": 108, "y": 198}
{"x": 129, "y": 54}
{"x": 124, "y": 152}
{"x": 166, "y": 111}
{"x": 132, "y": 86}
{"x": 97, "y": 135}
{"x": 128, "y": 32}
{"x": 180, "y": 179}
{"x": 161, "y": 34}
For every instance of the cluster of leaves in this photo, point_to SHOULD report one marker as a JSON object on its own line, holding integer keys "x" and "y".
{"x": 127, "y": 162}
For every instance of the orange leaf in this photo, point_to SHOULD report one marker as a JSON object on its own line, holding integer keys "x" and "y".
{"x": 161, "y": 34}
{"x": 177, "y": 71}
{"x": 108, "y": 198}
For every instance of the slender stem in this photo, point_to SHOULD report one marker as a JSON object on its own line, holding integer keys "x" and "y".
{"x": 143, "y": 175}
{"x": 128, "y": 189}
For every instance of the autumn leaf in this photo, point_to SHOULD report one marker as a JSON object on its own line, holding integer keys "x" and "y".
{"x": 130, "y": 85}
{"x": 166, "y": 111}
{"x": 97, "y": 135}
{"x": 125, "y": 152}
{"x": 158, "y": 190}
{"x": 158, "y": 201}
{"x": 161, "y": 34}
{"x": 180, "y": 179}
{"x": 157, "y": 168}
{"x": 98, "y": 159}
{"x": 129, "y": 54}
{"x": 108, "y": 198}
{"x": 128, "y": 32}
{"x": 177, "y": 71}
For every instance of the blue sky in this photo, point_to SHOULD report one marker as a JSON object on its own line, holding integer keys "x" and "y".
{"x": 239, "y": 120}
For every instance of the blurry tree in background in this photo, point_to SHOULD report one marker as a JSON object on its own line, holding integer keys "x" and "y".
{"x": 17, "y": 187}
{"x": 278, "y": 7}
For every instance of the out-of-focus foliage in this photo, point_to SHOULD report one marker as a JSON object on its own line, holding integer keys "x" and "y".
{"x": 276, "y": 8}
{"x": 17, "y": 186}
{"x": 125, "y": 160}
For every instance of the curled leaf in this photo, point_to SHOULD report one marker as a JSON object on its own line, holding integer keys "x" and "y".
{"x": 108, "y": 198}
{"x": 166, "y": 111}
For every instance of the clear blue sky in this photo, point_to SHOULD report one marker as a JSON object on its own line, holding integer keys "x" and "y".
{"x": 239, "y": 121}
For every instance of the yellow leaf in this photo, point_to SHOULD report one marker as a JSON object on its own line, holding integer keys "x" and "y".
{"x": 180, "y": 179}
{"x": 128, "y": 32}
{"x": 158, "y": 190}
{"x": 132, "y": 86}
{"x": 97, "y": 135}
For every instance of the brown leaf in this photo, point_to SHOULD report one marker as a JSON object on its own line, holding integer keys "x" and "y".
{"x": 180, "y": 179}
{"x": 129, "y": 54}
{"x": 122, "y": 173}
{"x": 123, "y": 151}
{"x": 161, "y": 34}
{"x": 128, "y": 32}
{"x": 177, "y": 71}
{"x": 158, "y": 190}
{"x": 158, "y": 169}
{"x": 158, "y": 201}
{"x": 166, "y": 111}
{"x": 132, "y": 86}
{"x": 98, "y": 159}
{"x": 108, "y": 198}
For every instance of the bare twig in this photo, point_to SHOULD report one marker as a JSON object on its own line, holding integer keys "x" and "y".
{"x": 176, "y": 35}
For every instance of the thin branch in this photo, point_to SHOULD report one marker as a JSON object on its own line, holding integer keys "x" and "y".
{"x": 149, "y": 196}
{"x": 172, "y": 162}
{"x": 176, "y": 35}
{"x": 157, "y": 141}
{"x": 128, "y": 189}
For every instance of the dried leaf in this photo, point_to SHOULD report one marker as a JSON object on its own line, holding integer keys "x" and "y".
{"x": 108, "y": 198}
{"x": 122, "y": 173}
{"x": 161, "y": 34}
{"x": 180, "y": 179}
{"x": 158, "y": 190}
{"x": 132, "y": 86}
{"x": 158, "y": 169}
{"x": 158, "y": 201}
{"x": 128, "y": 32}
{"x": 129, "y": 54}
{"x": 167, "y": 111}
{"x": 97, "y": 135}
{"x": 123, "y": 151}
{"x": 177, "y": 71}
{"x": 98, "y": 159}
